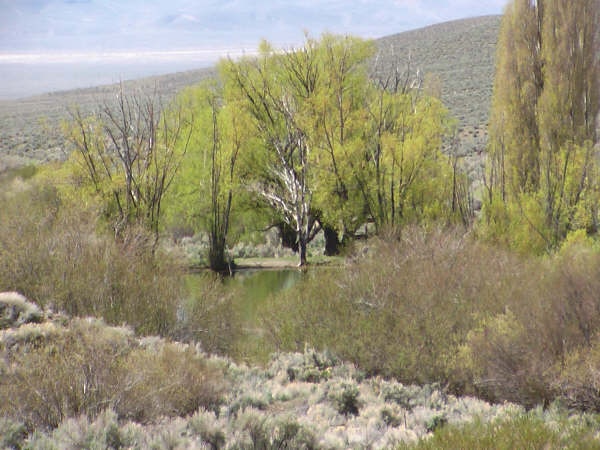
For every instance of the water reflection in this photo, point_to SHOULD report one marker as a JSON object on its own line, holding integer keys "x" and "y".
{"x": 255, "y": 286}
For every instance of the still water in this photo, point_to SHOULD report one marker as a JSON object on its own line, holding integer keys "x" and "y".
{"x": 256, "y": 286}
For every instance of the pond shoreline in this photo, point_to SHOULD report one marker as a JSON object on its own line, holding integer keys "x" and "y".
{"x": 273, "y": 264}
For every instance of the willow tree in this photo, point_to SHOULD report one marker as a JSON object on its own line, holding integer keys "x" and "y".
{"x": 275, "y": 90}
{"x": 205, "y": 191}
{"x": 542, "y": 156}
{"x": 338, "y": 148}
{"x": 338, "y": 135}
{"x": 130, "y": 151}
{"x": 410, "y": 179}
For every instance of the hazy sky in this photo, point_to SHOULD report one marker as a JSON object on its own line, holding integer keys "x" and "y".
{"x": 168, "y": 25}
{"x": 50, "y": 45}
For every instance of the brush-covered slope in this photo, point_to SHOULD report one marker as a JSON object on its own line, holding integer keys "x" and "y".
{"x": 461, "y": 54}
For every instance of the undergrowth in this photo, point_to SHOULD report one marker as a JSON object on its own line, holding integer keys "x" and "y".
{"x": 438, "y": 306}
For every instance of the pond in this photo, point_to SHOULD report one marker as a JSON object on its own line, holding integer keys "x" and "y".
{"x": 255, "y": 286}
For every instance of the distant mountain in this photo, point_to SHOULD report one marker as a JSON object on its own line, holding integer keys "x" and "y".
{"x": 460, "y": 53}
{"x": 133, "y": 25}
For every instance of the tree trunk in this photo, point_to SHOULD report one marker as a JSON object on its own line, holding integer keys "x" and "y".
{"x": 288, "y": 236}
{"x": 216, "y": 254}
{"x": 302, "y": 250}
{"x": 332, "y": 242}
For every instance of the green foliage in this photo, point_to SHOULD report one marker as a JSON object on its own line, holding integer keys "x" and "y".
{"x": 543, "y": 160}
{"x": 346, "y": 399}
{"x": 410, "y": 179}
{"x": 521, "y": 431}
{"x": 12, "y": 434}
{"x": 308, "y": 134}
{"x": 128, "y": 153}
{"x": 519, "y": 225}
{"x": 338, "y": 131}
{"x": 208, "y": 186}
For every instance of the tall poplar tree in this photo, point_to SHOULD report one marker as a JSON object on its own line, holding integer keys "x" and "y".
{"x": 542, "y": 156}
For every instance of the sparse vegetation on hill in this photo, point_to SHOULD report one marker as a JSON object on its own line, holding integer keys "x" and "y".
{"x": 461, "y": 53}
{"x": 31, "y": 127}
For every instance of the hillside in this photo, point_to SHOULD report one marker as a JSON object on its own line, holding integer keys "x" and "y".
{"x": 461, "y": 53}
{"x": 31, "y": 126}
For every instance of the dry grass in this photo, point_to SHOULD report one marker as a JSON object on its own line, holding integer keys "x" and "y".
{"x": 55, "y": 253}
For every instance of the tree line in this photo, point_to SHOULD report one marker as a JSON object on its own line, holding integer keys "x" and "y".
{"x": 317, "y": 143}
{"x": 321, "y": 138}
{"x": 543, "y": 178}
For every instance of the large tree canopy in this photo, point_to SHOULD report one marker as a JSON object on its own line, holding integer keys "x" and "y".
{"x": 308, "y": 134}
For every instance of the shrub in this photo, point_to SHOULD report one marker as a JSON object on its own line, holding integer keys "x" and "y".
{"x": 313, "y": 368}
{"x": 102, "y": 433}
{"x": 210, "y": 315}
{"x": 12, "y": 434}
{"x": 578, "y": 379}
{"x": 172, "y": 380}
{"x": 263, "y": 432}
{"x": 520, "y": 431}
{"x": 205, "y": 424}
{"x": 437, "y": 306}
{"x": 55, "y": 253}
{"x": 87, "y": 367}
{"x": 15, "y": 310}
{"x": 548, "y": 328}
{"x": 67, "y": 373}
{"x": 346, "y": 399}
{"x": 503, "y": 364}
{"x": 400, "y": 310}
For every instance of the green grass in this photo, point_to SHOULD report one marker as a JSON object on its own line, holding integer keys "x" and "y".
{"x": 523, "y": 431}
